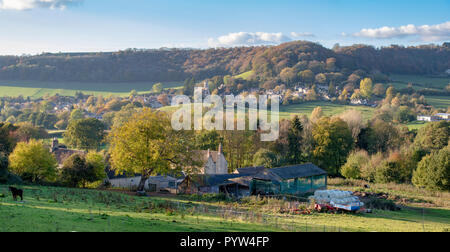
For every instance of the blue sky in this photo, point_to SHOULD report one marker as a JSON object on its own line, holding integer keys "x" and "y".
{"x": 35, "y": 26}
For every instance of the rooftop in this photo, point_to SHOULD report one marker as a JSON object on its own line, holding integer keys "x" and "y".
{"x": 298, "y": 171}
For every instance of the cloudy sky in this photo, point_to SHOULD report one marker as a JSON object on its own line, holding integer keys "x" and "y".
{"x": 36, "y": 26}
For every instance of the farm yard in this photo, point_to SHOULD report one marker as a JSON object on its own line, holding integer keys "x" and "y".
{"x": 76, "y": 210}
{"x": 37, "y": 89}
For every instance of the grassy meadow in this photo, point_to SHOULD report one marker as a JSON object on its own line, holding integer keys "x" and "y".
{"x": 419, "y": 81}
{"x": 287, "y": 112}
{"x": 328, "y": 108}
{"x": 75, "y": 210}
{"x": 439, "y": 102}
{"x": 36, "y": 89}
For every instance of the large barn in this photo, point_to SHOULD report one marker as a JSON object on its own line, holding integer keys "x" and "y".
{"x": 289, "y": 180}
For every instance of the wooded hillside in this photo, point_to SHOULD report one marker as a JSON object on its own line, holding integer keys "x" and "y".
{"x": 266, "y": 63}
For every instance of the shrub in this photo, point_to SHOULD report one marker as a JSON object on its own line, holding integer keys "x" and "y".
{"x": 382, "y": 204}
{"x": 394, "y": 169}
{"x": 433, "y": 172}
{"x": 368, "y": 170}
{"x": 352, "y": 169}
{"x": 77, "y": 171}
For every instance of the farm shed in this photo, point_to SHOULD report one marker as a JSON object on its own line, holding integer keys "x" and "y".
{"x": 153, "y": 184}
{"x": 221, "y": 183}
{"x": 289, "y": 180}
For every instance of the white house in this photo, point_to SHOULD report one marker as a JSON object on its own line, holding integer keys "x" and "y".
{"x": 425, "y": 118}
{"x": 443, "y": 116}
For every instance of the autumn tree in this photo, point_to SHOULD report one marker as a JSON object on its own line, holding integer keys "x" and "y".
{"x": 77, "y": 172}
{"x": 288, "y": 75}
{"x": 148, "y": 145}
{"x": 316, "y": 114}
{"x": 433, "y": 172}
{"x": 265, "y": 157}
{"x": 307, "y": 76}
{"x": 354, "y": 120}
{"x": 433, "y": 136}
{"x": 33, "y": 161}
{"x": 76, "y": 114}
{"x": 353, "y": 167}
{"x": 332, "y": 143}
{"x": 86, "y": 134}
{"x": 366, "y": 88}
{"x": 379, "y": 90}
{"x": 157, "y": 88}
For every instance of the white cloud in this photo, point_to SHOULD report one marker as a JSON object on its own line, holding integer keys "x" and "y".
{"x": 248, "y": 39}
{"x": 302, "y": 34}
{"x": 32, "y": 4}
{"x": 437, "y": 32}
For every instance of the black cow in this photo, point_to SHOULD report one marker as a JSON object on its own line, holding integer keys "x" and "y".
{"x": 16, "y": 193}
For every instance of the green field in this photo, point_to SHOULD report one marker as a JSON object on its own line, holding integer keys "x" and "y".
{"x": 440, "y": 102}
{"x": 36, "y": 89}
{"x": 245, "y": 75}
{"x": 419, "y": 81}
{"x": 65, "y": 210}
{"x": 328, "y": 108}
{"x": 416, "y": 125}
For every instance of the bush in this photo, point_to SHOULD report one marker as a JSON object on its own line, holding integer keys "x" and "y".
{"x": 368, "y": 170}
{"x": 33, "y": 161}
{"x": 433, "y": 172}
{"x": 382, "y": 204}
{"x": 394, "y": 169}
{"x": 77, "y": 172}
{"x": 352, "y": 169}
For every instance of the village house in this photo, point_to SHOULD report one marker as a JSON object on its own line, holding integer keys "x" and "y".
{"x": 61, "y": 152}
{"x": 214, "y": 162}
{"x": 435, "y": 118}
{"x": 443, "y": 116}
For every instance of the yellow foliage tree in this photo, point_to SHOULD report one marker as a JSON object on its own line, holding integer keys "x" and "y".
{"x": 148, "y": 145}
{"x": 34, "y": 161}
{"x": 366, "y": 88}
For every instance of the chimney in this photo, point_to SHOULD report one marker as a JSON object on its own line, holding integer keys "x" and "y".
{"x": 220, "y": 149}
{"x": 209, "y": 154}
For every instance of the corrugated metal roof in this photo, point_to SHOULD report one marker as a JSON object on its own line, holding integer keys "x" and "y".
{"x": 251, "y": 170}
{"x": 214, "y": 180}
{"x": 298, "y": 171}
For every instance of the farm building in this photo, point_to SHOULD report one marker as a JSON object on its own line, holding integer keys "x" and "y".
{"x": 220, "y": 183}
{"x": 289, "y": 180}
{"x": 213, "y": 162}
{"x": 153, "y": 184}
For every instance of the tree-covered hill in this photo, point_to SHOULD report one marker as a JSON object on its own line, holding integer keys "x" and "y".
{"x": 274, "y": 62}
